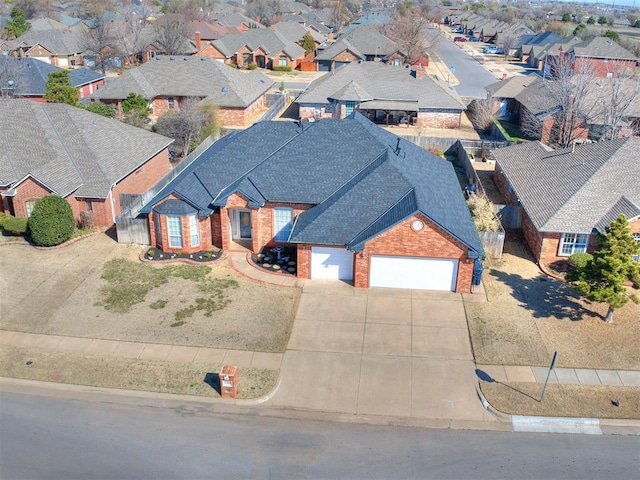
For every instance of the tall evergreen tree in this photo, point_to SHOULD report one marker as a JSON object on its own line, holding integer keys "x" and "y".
{"x": 60, "y": 89}
{"x": 602, "y": 279}
{"x": 18, "y": 24}
{"x": 307, "y": 43}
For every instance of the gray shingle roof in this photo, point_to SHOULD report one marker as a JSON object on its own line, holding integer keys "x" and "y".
{"x": 294, "y": 32}
{"x": 337, "y": 48}
{"x": 538, "y": 97}
{"x": 69, "y": 149}
{"x": 269, "y": 40}
{"x": 359, "y": 178}
{"x": 351, "y": 92}
{"x": 199, "y": 77}
{"x": 58, "y": 42}
{"x": 367, "y": 39}
{"x": 30, "y": 75}
{"x": 602, "y": 47}
{"x": 383, "y": 82}
{"x": 511, "y": 87}
{"x": 574, "y": 191}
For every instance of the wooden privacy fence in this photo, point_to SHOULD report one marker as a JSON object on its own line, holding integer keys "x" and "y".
{"x": 509, "y": 215}
{"x": 493, "y": 243}
{"x": 277, "y": 104}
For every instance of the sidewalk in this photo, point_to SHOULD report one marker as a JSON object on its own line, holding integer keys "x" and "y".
{"x": 565, "y": 376}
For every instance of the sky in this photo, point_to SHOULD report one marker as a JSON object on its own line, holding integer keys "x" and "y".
{"x": 628, "y": 3}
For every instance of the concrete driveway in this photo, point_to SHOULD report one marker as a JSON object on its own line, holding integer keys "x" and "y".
{"x": 380, "y": 352}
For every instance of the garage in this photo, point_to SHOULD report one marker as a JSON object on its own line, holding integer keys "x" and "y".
{"x": 332, "y": 263}
{"x": 413, "y": 272}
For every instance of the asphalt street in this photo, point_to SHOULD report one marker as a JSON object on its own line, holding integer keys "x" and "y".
{"x": 472, "y": 76}
{"x": 49, "y": 438}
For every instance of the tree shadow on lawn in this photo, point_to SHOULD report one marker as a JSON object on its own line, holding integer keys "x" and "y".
{"x": 545, "y": 297}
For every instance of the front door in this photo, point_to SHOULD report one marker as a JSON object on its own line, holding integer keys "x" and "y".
{"x": 241, "y": 224}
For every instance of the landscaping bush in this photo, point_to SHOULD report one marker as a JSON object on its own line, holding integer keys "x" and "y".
{"x": 3, "y": 218}
{"x": 15, "y": 226}
{"x": 281, "y": 69}
{"x": 51, "y": 221}
{"x": 252, "y": 66}
{"x": 580, "y": 260}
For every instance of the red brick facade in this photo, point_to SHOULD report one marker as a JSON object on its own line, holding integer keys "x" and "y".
{"x": 400, "y": 240}
{"x": 102, "y": 210}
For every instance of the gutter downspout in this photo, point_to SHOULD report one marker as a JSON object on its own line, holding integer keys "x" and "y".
{"x": 113, "y": 211}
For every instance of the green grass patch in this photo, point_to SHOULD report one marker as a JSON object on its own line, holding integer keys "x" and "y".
{"x": 510, "y": 131}
{"x": 158, "y": 304}
{"x": 129, "y": 282}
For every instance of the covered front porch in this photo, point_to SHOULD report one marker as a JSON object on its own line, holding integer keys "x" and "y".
{"x": 390, "y": 113}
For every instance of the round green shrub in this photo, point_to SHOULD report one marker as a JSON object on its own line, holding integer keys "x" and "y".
{"x": 252, "y": 66}
{"x": 51, "y": 221}
{"x": 580, "y": 260}
{"x": 15, "y": 226}
{"x": 3, "y": 218}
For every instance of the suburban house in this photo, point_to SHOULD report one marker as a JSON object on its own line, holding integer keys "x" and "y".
{"x": 385, "y": 94}
{"x": 364, "y": 43}
{"x": 603, "y": 57}
{"x": 92, "y": 161}
{"x": 569, "y": 195}
{"x": 544, "y": 55}
{"x": 61, "y": 48}
{"x": 504, "y": 93}
{"x": 22, "y": 77}
{"x": 264, "y": 47}
{"x": 352, "y": 200}
{"x": 527, "y": 42}
{"x": 168, "y": 83}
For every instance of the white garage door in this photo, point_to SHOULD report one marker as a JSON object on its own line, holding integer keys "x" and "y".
{"x": 413, "y": 272}
{"x": 334, "y": 263}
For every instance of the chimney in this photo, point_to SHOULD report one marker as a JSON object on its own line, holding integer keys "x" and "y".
{"x": 198, "y": 42}
{"x": 418, "y": 71}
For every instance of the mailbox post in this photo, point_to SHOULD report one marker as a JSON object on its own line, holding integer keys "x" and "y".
{"x": 228, "y": 381}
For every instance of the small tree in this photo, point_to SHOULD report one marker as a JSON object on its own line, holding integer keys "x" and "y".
{"x": 187, "y": 125}
{"x": 602, "y": 279}
{"x": 60, "y": 89}
{"x": 102, "y": 109}
{"x": 613, "y": 35}
{"x": 135, "y": 108}
{"x": 591, "y": 21}
{"x": 51, "y": 221}
{"x": 602, "y": 20}
{"x": 566, "y": 17}
{"x": 18, "y": 24}
{"x": 307, "y": 43}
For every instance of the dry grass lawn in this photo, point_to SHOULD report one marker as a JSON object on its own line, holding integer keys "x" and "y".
{"x": 129, "y": 374}
{"x": 529, "y": 316}
{"x": 582, "y": 401}
{"x": 62, "y": 292}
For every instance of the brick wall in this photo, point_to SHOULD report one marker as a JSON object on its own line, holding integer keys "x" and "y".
{"x": 503, "y": 185}
{"x": 345, "y": 56}
{"x": 402, "y": 240}
{"x": 303, "y": 267}
{"x": 265, "y": 216}
{"x": 204, "y": 230}
{"x": 27, "y": 190}
{"x": 211, "y": 52}
{"x": 439, "y": 119}
{"x": 601, "y": 67}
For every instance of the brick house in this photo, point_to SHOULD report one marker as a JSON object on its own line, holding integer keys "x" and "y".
{"x": 356, "y": 202}
{"x": 61, "y": 48}
{"x": 386, "y": 94}
{"x": 265, "y": 47}
{"x": 29, "y": 77}
{"x": 92, "y": 161}
{"x": 602, "y": 56}
{"x": 569, "y": 195}
{"x": 170, "y": 82}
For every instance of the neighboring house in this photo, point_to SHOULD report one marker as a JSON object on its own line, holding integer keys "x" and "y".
{"x": 168, "y": 83}
{"x": 30, "y": 76}
{"x": 527, "y": 42}
{"x": 239, "y": 21}
{"x": 543, "y": 56}
{"x": 569, "y": 195}
{"x": 386, "y": 94}
{"x": 61, "y": 48}
{"x": 265, "y": 47}
{"x": 356, "y": 202}
{"x": 504, "y": 93}
{"x": 295, "y": 32}
{"x": 603, "y": 57}
{"x": 92, "y": 161}
{"x": 364, "y": 43}
{"x": 311, "y": 20}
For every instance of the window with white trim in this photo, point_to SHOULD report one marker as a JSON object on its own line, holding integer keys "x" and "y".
{"x": 174, "y": 228}
{"x": 349, "y": 107}
{"x": 194, "y": 230}
{"x": 28, "y": 205}
{"x": 282, "y": 223}
{"x": 283, "y": 61}
{"x": 571, "y": 243}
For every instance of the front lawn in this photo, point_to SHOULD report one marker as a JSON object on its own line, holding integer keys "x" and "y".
{"x": 529, "y": 316}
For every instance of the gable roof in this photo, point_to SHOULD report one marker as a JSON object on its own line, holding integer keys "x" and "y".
{"x": 268, "y": 39}
{"x": 359, "y": 179}
{"x": 602, "y": 47}
{"x": 383, "y": 82}
{"x": 574, "y": 190}
{"x": 30, "y": 75}
{"x": 199, "y": 77}
{"x": 58, "y": 42}
{"x": 69, "y": 149}
{"x": 295, "y": 31}
{"x": 235, "y": 19}
{"x": 335, "y": 49}
{"x": 367, "y": 39}
{"x": 537, "y": 97}
{"x": 511, "y": 87}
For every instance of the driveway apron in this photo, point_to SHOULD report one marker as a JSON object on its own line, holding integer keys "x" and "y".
{"x": 380, "y": 352}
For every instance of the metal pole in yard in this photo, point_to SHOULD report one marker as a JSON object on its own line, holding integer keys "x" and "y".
{"x": 546, "y": 382}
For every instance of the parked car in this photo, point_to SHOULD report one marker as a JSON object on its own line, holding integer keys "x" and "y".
{"x": 475, "y": 39}
{"x": 457, "y": 30}
{"x": 460, "y": 39}
{"x": 493, "y": 50}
